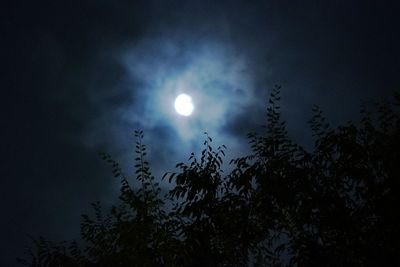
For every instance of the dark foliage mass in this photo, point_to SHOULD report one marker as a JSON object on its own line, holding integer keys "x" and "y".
{"x": 336, "y": 205}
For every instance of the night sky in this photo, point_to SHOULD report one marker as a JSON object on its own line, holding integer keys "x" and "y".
{"x": 80, "y": 76}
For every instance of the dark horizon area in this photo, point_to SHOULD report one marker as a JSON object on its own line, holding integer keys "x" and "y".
{"x": 80, "y": 77}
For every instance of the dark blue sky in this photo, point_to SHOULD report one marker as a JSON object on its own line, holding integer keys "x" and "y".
{"x": 81, "y": 76}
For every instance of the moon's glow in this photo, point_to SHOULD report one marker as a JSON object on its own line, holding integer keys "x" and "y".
{"x": 184, "y": 105}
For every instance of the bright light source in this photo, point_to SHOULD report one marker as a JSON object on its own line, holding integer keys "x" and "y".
{"x": 184, "y": 105}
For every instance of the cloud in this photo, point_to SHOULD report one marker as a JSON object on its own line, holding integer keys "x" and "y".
{"x": 159, "y": 67}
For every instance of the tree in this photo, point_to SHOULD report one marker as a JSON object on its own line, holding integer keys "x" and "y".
{"x": 335, "y": 205}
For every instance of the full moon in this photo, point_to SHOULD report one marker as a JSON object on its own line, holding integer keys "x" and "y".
{"x": 184, "y": 105}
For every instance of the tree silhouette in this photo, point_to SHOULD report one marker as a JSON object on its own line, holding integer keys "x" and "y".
{"x": 336, "y": 205}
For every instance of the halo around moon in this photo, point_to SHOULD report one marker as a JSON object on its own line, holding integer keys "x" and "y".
{"x": 184, "y": 105}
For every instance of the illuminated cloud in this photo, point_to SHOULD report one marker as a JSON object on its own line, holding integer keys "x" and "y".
{"x": 211, "y": 73}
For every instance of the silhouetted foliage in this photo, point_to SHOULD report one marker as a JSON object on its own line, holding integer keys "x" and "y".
{"x": 335, "y": 205}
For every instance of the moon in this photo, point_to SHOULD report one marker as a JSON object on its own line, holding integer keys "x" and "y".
{"x": 184, "y": 105}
